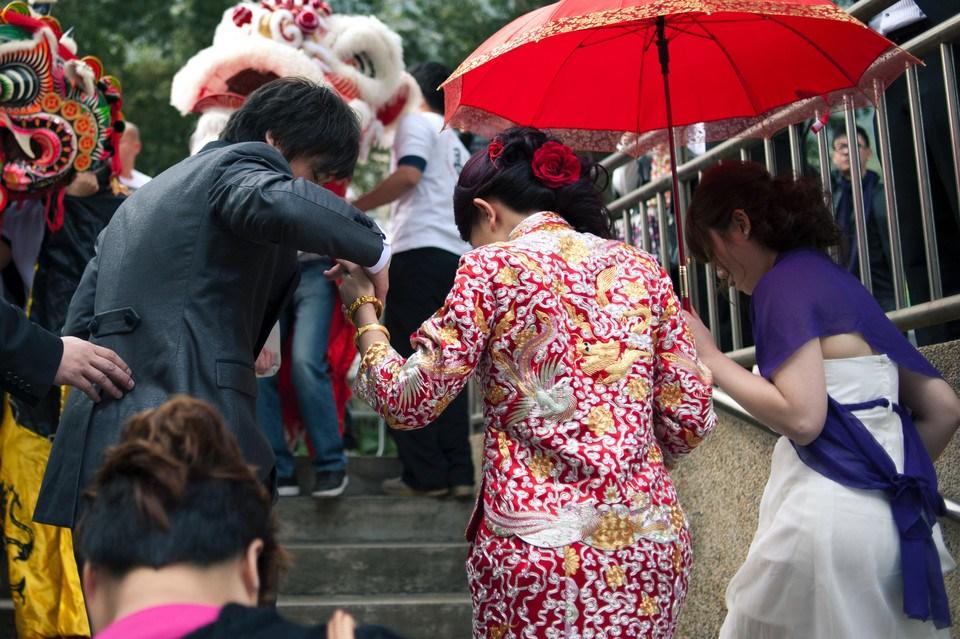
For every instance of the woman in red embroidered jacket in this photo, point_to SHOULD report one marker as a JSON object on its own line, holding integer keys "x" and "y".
{"x": 590, "y": 380}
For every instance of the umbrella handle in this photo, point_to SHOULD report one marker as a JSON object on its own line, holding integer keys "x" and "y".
{"x": 684, "y": 278}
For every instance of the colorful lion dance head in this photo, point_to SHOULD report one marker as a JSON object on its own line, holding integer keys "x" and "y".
{"x": 59, "y": 114}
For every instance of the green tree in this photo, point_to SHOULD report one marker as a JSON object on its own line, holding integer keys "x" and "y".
{"x": 145, "y": 43}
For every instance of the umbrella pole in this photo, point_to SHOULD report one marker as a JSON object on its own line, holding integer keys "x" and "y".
{"x": 662, "y": 48}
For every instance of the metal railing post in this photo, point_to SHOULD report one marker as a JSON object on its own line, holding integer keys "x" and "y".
{"x": 953, "y": 109}
{"x": 856, "y": 184}
{"x": 923, "y": 181}
{"x": 890, "y": 197}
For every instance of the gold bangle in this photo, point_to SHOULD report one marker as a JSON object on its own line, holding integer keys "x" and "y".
{"x": 360, "y": 301}
{"x": 372, "y": 326}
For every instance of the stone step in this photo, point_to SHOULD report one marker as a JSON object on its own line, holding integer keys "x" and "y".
{"x": 372, "y": 519}
{"x": 422, "y": 616}
{"x": 365, "y": 474}
{"x": 375, "y": 569}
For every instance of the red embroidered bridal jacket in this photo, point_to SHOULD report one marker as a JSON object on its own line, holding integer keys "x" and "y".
{"x": 590, "y": 378}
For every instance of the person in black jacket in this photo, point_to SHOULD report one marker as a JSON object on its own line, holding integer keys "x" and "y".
{"x": 180, "y": 537}
{"x": 33, "y": 359}
{"x": 192, "y": 271}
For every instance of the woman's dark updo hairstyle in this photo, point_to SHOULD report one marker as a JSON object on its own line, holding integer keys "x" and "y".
{"x": 785, "y": 213}
{"x": 176, "y": 489}
{"x": 512, "y": 182}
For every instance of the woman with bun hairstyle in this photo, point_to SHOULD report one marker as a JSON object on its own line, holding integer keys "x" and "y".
{"x": 847, "y": 543}
{"x": 179, "y": 538}
{"x": 590, "y": 384}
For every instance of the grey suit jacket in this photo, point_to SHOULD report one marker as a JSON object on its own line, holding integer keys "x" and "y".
{"x": 189, "y": 277}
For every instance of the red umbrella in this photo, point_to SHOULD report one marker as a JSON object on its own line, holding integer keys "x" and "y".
{"x": 592, "y": 71}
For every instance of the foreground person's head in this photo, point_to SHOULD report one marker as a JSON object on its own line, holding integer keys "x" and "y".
{"x": 524, "y": 171}
{"x": 741, "y": 217}
{"x": 174, "y": 511}
{"x": 314, "y": 129}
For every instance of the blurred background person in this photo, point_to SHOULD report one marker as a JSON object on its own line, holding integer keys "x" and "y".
{"x": 130, "y": 147}
{"x": 875, "y": 213}
{"x": 427, "y": 160}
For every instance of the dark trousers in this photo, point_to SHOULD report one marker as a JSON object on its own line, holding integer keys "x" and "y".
{"x": 437, "y": 456}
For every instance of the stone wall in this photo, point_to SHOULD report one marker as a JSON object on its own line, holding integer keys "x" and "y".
{"x": 720, "y": 486}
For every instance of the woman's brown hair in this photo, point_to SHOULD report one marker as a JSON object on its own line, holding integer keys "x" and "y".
{"x": 785, "y": 213}
{"x": 176, "y": 489}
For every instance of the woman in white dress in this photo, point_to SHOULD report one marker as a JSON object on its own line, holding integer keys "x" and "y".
{"x": 847, "y": 544}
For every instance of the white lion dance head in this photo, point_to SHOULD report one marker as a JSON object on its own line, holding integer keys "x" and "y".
{"x": 358, "y": 56}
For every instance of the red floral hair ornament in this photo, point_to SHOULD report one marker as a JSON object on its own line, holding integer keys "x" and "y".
{"x": 555, "y": 165}
{"x": 494, "y": 150}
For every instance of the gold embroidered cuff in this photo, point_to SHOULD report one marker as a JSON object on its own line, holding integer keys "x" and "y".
{"x": 374, "y": 356}
{"x": 370, "y": 327}
{"x": 360, "y": 301}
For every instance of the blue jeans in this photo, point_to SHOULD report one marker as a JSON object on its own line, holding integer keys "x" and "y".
{"x": 309, "y": 313}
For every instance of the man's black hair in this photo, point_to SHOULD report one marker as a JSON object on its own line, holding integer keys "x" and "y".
{"x": 305, "y": 120}
{"x": 430, "y": 75}
{"x": 861, "y": 132}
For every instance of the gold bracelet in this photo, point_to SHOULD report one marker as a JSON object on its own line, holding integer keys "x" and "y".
{"x": 360, "y": 301}
{"x": 372, "y": 326}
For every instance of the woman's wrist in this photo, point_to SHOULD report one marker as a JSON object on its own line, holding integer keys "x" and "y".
{"x": 366, "y": 314}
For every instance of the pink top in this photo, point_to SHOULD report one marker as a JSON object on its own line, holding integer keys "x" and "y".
{"x": 161, "y": 622}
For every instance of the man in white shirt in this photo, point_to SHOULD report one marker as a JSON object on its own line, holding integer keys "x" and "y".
{"x": 426, "y": 247}
{"x": 130, "y": 147}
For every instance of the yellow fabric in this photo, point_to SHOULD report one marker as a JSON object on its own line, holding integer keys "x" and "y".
{"x": 45, "y": 585}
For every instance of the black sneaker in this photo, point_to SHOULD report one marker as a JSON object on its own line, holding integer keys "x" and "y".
{"x": 330, "y": 483}
{"x": 288, "y": 487}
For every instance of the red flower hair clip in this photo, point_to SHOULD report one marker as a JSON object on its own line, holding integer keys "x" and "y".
{"x": 494, "y": 150}
{"x": 556, "y": 165}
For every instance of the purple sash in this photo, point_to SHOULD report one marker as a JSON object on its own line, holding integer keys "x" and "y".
{"x": 848, "y": 454}
{"x": 806, "y": 296}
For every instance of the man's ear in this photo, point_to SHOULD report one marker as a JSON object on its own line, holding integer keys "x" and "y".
{"x": 90, "y": 581}
{"x": 269, "y": 140}
{"x": 249, "y": 572}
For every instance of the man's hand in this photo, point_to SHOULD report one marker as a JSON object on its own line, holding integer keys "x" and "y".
{"x": 84, "y": 365}
{"x": 362, "y": 280}
{"x": 265, "y": 361}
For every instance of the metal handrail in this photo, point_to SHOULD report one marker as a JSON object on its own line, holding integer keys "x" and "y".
{"x": 923, "y": 43}
{"x": 730, "y": 405}
{"x": 918, "y": 46}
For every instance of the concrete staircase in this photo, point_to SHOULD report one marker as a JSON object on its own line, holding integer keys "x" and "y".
{"x": 396, "y": 562}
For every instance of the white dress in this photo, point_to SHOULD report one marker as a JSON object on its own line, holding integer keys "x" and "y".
{"x": 825, "y": 561}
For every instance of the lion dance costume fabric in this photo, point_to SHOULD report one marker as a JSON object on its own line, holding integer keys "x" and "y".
{"x": 59, "y": 115}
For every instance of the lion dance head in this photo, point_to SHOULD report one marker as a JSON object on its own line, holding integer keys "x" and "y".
{"x": 357, "y": 56}
{"x": 59, "y": 114}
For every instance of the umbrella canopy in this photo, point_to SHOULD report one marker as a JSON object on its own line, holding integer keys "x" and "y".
{"x": 588, "y": 71}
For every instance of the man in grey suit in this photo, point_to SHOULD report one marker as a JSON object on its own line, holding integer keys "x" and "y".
{"x": 193, "y": 270}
